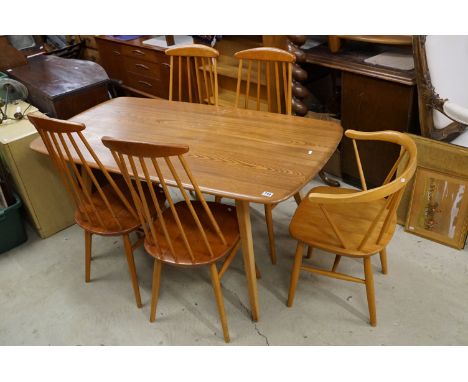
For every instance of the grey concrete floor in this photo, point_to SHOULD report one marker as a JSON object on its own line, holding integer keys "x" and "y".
{"x": 44, "y": 299}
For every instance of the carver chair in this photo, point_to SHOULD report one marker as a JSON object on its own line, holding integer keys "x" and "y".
{"x": 188, "y": 233}
{"x": 353, "y": 223}
{"x": 101, "y": 209}
{"x": 269, "y": 70}
{"x": 442, "y": 80}
{"x": 196, "y": 66}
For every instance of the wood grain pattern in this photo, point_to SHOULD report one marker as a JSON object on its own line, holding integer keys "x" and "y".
{"x": 234, "y": 153}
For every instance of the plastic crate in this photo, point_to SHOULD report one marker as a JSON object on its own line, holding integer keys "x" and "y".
{"x": 12, "y": 232}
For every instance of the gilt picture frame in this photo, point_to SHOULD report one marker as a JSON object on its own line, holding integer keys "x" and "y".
{"x": 439, "y": 208}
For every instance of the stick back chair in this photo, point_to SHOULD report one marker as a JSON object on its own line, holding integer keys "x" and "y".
{"x": 186, "y": 234}
{"x": 353, "y": 223}
{"x": 270, "y": 67}
{"x": 101, "y": 209}
{"x": 197, "y": 66}
{"x": 273, "y": 70}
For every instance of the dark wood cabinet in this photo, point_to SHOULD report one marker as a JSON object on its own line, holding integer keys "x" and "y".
{"x": 61, "y": 87}
{"x": 373, "y": 98}
{"x": 371, "y": 104}
{"x": 143, "y": 69}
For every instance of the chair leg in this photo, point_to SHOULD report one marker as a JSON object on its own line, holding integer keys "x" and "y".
{"x": 155, "y": 289}
{"x": 295, "y": 272}
{"x": 336, "y": 262}
{"x": 132, "y": 269}
{"x": 219, "y": 301}
{"x": 370, "y": 290}
{"x": 310, "y": 249}
{"x": 383, "y": 261}
{"x": 258, "y": 275}
{"x": 218, "y": 199}
{"x": 298, "y": 197}
{"x": 271, "y": 233}
{"x": 88, "y": 242}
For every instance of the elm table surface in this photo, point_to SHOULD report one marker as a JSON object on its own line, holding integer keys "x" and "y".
{"x": 234, "y": 153}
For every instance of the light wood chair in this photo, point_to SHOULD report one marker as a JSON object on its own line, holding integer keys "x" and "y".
{"x": 186, "y": 234}
{"x": 101, "y": 209}
{"x": 270, "y": 68}
{"x": 196, "y": 66}
{"x": 353, "y": 223}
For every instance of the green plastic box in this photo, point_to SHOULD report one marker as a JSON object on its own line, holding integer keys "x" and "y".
{"x": 12, "y": 232}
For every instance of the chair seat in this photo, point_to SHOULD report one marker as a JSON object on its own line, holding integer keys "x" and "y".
{"x": 352, "y": 220}
{"x": 107, "y": 225}
{"x": 226, "y": 218}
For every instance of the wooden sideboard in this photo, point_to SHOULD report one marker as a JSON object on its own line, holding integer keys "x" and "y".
{"x": 372, "y": 98}
{"x": 143, "y": 69}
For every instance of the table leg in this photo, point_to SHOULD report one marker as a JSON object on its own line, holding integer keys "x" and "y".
{"x": 243, "y": 217}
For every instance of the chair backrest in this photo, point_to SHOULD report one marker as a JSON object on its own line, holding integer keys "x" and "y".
{"x": 390, "y": 191}
{"x": 273, "y": 70}
{"x": 66, "y": 144}
{"x": 199, "y": 71}
{"x": 441, "y": 75}
{"x": 138, "y": 160}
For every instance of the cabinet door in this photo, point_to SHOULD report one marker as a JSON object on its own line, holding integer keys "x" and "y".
{"x": 372, "y": 104}
{"x": 111, "y": 59}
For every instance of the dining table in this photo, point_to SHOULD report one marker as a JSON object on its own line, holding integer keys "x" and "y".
{"x": 248, "y": 156}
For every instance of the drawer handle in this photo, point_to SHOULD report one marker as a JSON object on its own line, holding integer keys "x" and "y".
{"x": 142, "y": 66}
{"x": 116, "y": 52}
{"x": 136, "y": 51}
{"x": 145, "y": 83}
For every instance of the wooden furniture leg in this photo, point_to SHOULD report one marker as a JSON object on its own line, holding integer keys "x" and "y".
{"x": 298, "y": 197}
{"x": 132, "y": 269}
{"x": 88, "y": 242}
{"x": 310, "y": 249}
{"x": 219, "y": 301}
{"x": 295, "y": 272}
{"x": 336, "y": 262}
{"x": 328, "y": 181}
{"x": 155, "y": 288}
{"x": 271, "y": 232}
{"x": 218, "y": 199}
{"x": 370, "y": 290}
{"x": 383, "y": 261}
{"x": 243, "y": 217}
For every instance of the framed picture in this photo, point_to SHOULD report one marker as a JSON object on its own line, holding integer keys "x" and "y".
{"x": 439, "y": 208}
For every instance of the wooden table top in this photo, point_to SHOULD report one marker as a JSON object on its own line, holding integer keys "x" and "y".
{"x": 234, "y": 153}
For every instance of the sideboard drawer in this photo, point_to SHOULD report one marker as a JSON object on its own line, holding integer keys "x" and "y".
{"x": 144, "y": 68}
{"x": 149, "y": 85}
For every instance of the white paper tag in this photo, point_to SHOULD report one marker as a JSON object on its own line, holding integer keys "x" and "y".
{"x": 268, "y": 194}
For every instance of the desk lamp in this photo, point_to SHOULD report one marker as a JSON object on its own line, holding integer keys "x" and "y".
{"x": 11, "y": 91}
